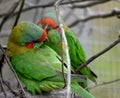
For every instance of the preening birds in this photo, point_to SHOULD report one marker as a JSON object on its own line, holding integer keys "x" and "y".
{"x": 35, "y": 62}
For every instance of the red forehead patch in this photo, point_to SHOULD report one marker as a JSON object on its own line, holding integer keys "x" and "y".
{"x": 48, "y": 21}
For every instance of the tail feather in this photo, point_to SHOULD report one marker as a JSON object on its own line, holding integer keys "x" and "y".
{"x": 78, "y": 90}
{"x": 93, "y": 73}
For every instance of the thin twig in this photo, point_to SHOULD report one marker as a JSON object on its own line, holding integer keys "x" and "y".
{"x": 19, "y": 13}
{"x": 64, "y": 40}
{"x": 2, "y": 86}
{"x": 98, "y": 54}
{"x": 9, "y": 87}
{"x": 9, "y": 13}
{"x": 105, "y": 83}
{"x": 90, "y": 3}
{"x": 6, "y": 58}
{"x": 36, "y": 12}
{"x": 61, "y": 40}
{"x": 1, "y": 76}
{"x": 50, "y": 4}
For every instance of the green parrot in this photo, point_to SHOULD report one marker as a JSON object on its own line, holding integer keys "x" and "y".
{"x": 36, "y": 64}
{"x": 77, "y": 54}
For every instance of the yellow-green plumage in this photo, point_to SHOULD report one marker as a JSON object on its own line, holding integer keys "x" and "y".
{"x": 38, "y": 67}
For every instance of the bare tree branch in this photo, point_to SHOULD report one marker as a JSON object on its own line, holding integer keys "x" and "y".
{"x": 36, "y": 12}
{"x": 57, "y": 3}
{"x": 114, "y": 12}
{"x": 50, "y": 4}
{"x": 90, "y": 3}
{"x": 1, "y": 76}
{"x": 53, "y": 94}
{"x": 64, "y": 40}
{"x": 6, "y": 58}
{"x": 9, "y": 13}
{"x": 19, "y": 13}
{"x": 98, "y": 54}
{"x": 105, "y": 83}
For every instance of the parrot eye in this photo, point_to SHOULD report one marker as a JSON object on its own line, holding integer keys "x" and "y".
{"x": 56, "y": 27}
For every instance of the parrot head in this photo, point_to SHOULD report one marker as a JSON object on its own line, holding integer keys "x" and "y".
{"x": 49, "y": 20}
{"x": 27, "y": 33}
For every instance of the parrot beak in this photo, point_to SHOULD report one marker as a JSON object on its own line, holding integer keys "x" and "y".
{"x": 47, "y": 28}
{"x": 56, "y": 27}
{"x": 47, "y": 40}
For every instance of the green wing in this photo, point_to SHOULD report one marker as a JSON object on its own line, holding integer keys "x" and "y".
{"x": 77, "y": 54}
{"x": 36, "y": 64}
{"x": 38, "y": 70}
{"x": 76, "y": 51}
